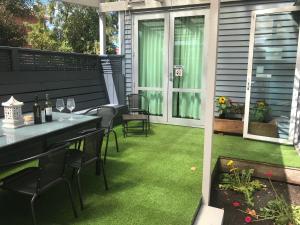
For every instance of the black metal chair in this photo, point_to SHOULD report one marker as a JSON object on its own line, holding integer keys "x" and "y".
{"x": 34, "y": 181}
{"x": 138, "y": 108}
{"x": 85, "y": 150}
{"x": 108, "y": 114}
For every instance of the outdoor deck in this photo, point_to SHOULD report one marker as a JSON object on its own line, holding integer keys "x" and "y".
{"x": 150, "y": 180}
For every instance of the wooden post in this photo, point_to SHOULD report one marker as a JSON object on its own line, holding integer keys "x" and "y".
{"x": 102, "y": 27}
{"x": 210, "y": 96}
{"x": 121, "y": 18}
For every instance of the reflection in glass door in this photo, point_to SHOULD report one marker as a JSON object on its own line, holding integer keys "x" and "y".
{"x": 270, "y": 110}
{"x": 186, "y": 68}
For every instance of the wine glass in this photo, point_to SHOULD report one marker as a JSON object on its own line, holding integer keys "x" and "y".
{"x": 71, "y": 106}
{"x": 60, "y": 105}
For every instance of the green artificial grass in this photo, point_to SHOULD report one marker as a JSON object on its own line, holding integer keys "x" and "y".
{"x": 150, "y": 181}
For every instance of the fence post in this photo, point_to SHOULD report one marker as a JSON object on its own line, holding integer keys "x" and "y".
{"x": 15, "y": 59}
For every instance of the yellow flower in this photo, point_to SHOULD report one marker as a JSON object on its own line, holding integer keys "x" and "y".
{"x": 261, "y": 104}
{"x": 230, "y": 163}
{"x": 233, "y": 169}
{"x": 222, "y": 100}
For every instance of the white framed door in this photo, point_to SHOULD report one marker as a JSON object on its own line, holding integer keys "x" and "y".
{"x": 162, "y": 42}
{"x": 186, "y": 81}
{"x": 273, "y": 75}
{"x": 150, "y": 62}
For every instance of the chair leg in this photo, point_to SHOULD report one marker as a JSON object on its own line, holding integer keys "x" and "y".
{"x": 104, "y": 175}
{"x": 148, "y": 123}
{"x": 73, "y": 173}
{"x": 106, "y": 146}
{"x": 124, "y": 129}
{"x": 116, "y": 139}
{"x": 32, "y": 209}
{"x": 79, "y": 189}
{"x": 71, "y": 197}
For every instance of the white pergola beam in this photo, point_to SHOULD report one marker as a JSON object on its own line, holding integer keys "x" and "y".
{"x": 113, "y": 6}
{"x": 124, "y": 5}
{"x": 210, "y": 96}
{"x": 90, "y": 3}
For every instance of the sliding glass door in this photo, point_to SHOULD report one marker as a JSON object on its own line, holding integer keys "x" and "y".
{"x": 273, "y": 76}
{"x": 169, "y": 53}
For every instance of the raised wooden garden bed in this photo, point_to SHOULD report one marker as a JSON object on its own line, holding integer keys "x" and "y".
{"x": 264, "y": 129}
{"x": 229, "y": 126}
{"x": 286, "y": 182}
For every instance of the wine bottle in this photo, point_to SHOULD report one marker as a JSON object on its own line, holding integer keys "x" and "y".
{"x": 48, "y": 109}
{"x": 37, "y": 111}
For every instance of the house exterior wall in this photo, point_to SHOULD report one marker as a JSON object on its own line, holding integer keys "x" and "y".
{"x": 234, "y": 33}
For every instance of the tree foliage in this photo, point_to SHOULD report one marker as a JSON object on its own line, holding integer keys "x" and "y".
{"x": 11, "y": 32}
{"x": 61, "y": 26}
{"x": 67, "y": 27}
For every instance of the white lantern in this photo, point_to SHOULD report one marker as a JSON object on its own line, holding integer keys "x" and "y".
{"x": 12, "y": 113}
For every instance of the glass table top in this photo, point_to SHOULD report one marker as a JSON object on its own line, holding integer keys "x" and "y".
{"x": 9, "y": 136}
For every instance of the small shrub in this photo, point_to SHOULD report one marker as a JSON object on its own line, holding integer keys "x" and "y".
{"x": 280, "y": 211}
{"x": 240, "y": 181}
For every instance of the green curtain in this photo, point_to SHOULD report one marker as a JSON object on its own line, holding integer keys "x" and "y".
{"x": 151, "y": 61}
{"x": 188, "y": 52}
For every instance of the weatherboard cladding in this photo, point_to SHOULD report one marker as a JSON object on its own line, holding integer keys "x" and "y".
{"x": 234, "y": 33}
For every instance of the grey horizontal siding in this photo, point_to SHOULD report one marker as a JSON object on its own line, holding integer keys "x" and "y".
{"x": 234, "y": 33}
{"x": 128, "y": 53}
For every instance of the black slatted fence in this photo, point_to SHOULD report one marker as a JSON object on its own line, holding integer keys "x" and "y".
{"x": 26, "y": 73}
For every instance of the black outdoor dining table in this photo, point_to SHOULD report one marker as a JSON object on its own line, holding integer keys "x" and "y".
{"x": 30, "y": 140}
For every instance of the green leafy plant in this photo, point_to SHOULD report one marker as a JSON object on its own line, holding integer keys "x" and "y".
{"x": 240, "y": 181}
{"x": 237, "y": 108}
{"x": 226, "y": 107}
{"x": 260, "y": 112}
{"x": 223, "y": 105}
{"x": 279, "y": 210}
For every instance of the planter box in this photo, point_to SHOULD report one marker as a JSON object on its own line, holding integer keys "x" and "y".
{"x": 263, "y": 129}
{"x": 285, "y": 180}
{"x": 228, "y": 126}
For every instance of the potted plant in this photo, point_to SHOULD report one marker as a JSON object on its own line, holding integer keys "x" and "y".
{"x": 223, "y": 106}
{"x": 261, "y": 122}
{"x": 230, "y": 116}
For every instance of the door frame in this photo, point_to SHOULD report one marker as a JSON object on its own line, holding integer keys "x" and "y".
{"x": 135, "y": 42}
{"x": 295, "y": 94}
{"x": 168, "y": 63}
{"x": 183, "y": 121}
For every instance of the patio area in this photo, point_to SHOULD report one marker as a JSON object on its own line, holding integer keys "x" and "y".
{"x": 169, "y": 112}
{"x": 151, "y": 180}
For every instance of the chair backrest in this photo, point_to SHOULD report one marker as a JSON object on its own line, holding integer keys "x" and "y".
{"x": 137, "y": 102}
{"x": 89, "y": 142}
{"x": 108, "y": 114}
{"x": 92, "y": 143}
{"x": 51, "y": 165}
